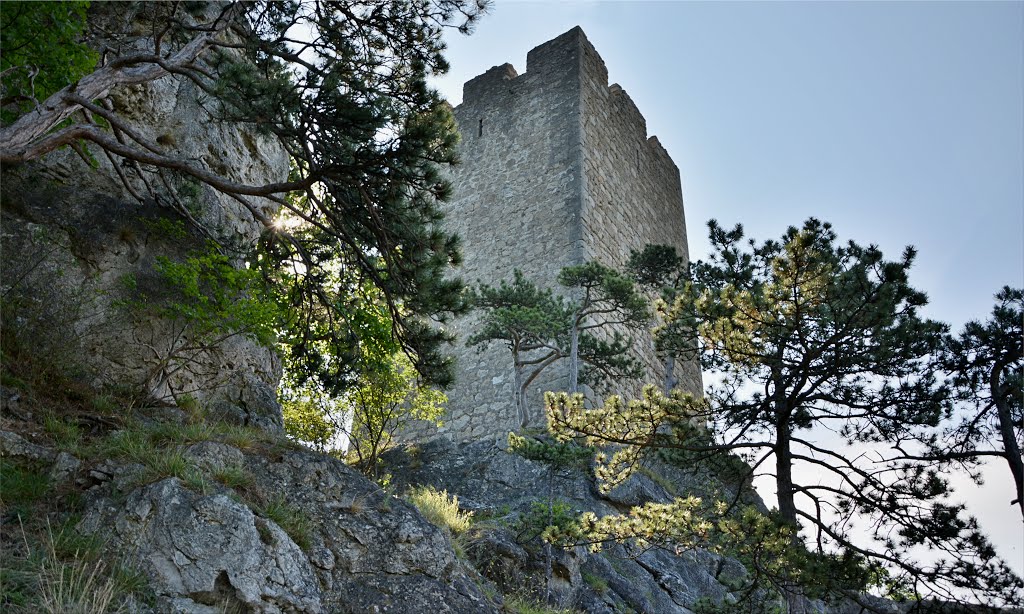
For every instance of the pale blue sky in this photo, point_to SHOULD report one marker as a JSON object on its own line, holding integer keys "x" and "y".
{"x": 900, "y": 123}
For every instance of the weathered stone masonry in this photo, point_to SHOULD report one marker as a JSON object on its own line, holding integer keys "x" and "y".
{"x": 556, "y": 169}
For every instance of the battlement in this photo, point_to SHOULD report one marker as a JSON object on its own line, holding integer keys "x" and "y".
{"x": 489, "y": 83}
{"x": 625, "y": 108}
{"x": 571, "y": 64}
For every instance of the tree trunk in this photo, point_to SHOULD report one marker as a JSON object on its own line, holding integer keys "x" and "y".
{"x": 520, "y": 392}
{"x": 1010, "y": 447}
{"x": 574, "y": 359}
{"x": 670, "y": 373}
{"x": 547, "y": 546}
{"x": 784, "y": 472}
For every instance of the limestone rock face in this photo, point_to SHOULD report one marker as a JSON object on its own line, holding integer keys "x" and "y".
{"x": 210, "y": 550}
{"x": 75, "y": 237}
{"x": 491, "y": 481}
{"x": 370, "y": 551}
{"x": 362, "y": 550}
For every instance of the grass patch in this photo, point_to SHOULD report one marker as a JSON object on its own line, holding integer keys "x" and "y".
{"x": 440, "y": 509}
{"x": 13, "y": 381}
{"x": 158, "y": 448}
{"x": 521, "y": 604}
{"x": 66, "y": 433}
{"x": 292, "y": 520}
{"x": 599, "y": 584}
{"x": 21, "y": 485}
{"x": 233, "y": 476}
{"x": 63, "y": 571}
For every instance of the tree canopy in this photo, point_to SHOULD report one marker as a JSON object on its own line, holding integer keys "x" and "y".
{"x": 985, "y": 363}
{"x": 805, "y": 332}
{"x": 342, "y": 87}
{"x": 541, "y": 328}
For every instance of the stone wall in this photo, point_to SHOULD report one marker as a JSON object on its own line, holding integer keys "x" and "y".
{"x": 556, "y": 168}
{"x": 632, "y": 196}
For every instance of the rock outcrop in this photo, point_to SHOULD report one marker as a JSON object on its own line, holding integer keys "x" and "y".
{"x": 77, "y": 231}
{"x": 503, "y": 486}
{"x": 299, "y": 532}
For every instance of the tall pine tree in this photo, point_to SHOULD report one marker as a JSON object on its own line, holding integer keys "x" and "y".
{"x": 801, "y": 335}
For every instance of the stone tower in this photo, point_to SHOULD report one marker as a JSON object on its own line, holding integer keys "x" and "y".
{"x": 557, "y": 169}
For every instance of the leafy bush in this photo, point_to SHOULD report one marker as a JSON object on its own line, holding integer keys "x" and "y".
{"x": 206, "y": 300}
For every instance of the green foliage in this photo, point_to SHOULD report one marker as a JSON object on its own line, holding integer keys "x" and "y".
{"x": 41, "y": 51}
{"x": 367, "y": 131}
{"x": 635, "y": 428}
{"x": 531, "y": 322}
{"x": 21, "y": 485}
{"x": 595, "y": 582}
{"x": 658, "y": 268}
{"x": 441, "y": 509}
{"x": 550, "y": 521}
{"x": 311, "y": 417}
{"x": 608, "y": 301}
{"x": 387, "y": 398}
{"x": 214, "y": 296}
{"x": 365, "y": 136}
{"x": 387, "y": 402}
{"x": 58, "y": 571}
{"x": 233, "y": 476}
{"x": 558, "y": 454}
{"x": 206, "y": 299}
{"x": 166, "y": 228}
{"x": 67, "y": 435}
{"x": 540, "y": 328}
{"x": 291, "y": 519}
{"x": 800, "y": 332}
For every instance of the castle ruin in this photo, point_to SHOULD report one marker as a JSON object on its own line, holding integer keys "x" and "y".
{"x": 556, "y": 169}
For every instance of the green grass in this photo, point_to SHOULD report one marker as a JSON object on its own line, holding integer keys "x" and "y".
{"x": 521, "y": 604}
{"x": 599, "y": 584}
{"x": 233, "y": 476}
{"x": 66, "y": 434}
{"x": 59, "y": 570}
{"x": 440, "y": 509}
{"x": 21, "y": 484}
{"x": 291, "y": 520}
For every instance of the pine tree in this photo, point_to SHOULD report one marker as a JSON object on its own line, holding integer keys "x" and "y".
{"x": 659, "y": 269}
{"x": 540, "y": 328}
{"x": 530, "y": 322}
{"x": 607, "y": 301}
{"x": 801, "y": 333}
{"x": 986, "y": 367}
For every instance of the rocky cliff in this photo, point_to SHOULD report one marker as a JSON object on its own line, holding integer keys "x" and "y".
{"x": 80, "y": 230}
